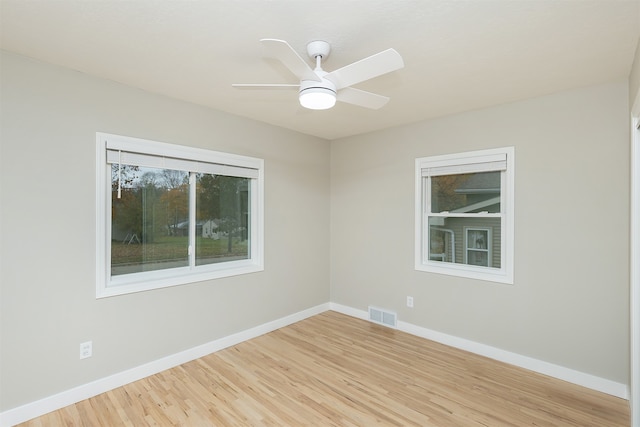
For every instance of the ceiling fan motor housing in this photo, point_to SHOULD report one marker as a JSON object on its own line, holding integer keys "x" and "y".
{"x": 324, "y": 84}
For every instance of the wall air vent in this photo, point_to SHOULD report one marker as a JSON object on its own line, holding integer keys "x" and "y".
{"x": 382, "y": 317}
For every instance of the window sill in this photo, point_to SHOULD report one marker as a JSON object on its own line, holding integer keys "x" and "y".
{"x": 132, "y": 283}
{"x": 468, "y": 271}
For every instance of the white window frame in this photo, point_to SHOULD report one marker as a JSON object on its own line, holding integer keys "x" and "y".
{"x": 204, "y": 160}
{"x": 496, "y": 159}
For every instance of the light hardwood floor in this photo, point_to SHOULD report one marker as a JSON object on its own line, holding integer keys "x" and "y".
{"x": 334, "y": 370}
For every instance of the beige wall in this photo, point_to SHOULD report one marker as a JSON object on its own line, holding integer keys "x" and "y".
{"x": 47, "y": 273}
{"x": 569, "y": 303}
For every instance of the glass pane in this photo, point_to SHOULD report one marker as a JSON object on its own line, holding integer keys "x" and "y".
{"x": 478, "y": 258}
{"x": 466, "y": 193}
{"x": 149, "y": 221}
{"x": 480, "y": 246}
{"x": 222, "y": 218}
{"x": 477, "y": 239}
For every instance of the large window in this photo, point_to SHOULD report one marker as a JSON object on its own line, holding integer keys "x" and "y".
{"x": 169, "y": 215}
{"x": 464, "y": 214}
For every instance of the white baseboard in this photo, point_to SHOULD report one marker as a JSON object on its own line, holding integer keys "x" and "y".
{"x": 35, "y": 409}
{"x": 576, "y": 377}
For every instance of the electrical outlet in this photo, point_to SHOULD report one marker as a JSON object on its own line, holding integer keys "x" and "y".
{"x": 86, "y": 349}
{"x": 410, "y": 302}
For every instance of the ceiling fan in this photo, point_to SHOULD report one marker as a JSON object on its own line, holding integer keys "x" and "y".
{"x": 318, "y": 89}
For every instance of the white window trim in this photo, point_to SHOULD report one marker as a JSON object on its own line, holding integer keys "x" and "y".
{"x": 462, "y": 163}
{"x": 107, "y": 286}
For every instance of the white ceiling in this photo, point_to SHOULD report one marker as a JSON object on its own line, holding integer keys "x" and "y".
{"x": 459, "y": 55}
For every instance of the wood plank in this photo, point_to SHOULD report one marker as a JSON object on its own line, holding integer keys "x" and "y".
{"x": 335, "y": 370}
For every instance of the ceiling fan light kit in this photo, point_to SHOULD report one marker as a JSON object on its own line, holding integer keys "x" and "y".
{"x": 317, "y": 98}
{"x": 317, "y": 95}
{"x": 318, "y": 89}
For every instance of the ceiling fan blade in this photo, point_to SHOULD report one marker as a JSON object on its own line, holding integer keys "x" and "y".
{"x": 373, "y": 66}
{"x": 362, "y": 98}
{"x": 282, "y": 51}
{"x": 264, "y": 86}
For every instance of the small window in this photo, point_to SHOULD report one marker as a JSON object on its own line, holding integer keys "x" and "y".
{"x": 464, "y": 214}
{"x": 169, "y": 215}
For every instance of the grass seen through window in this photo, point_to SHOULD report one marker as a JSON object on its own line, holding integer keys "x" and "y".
{"x": 174, "y": 248}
